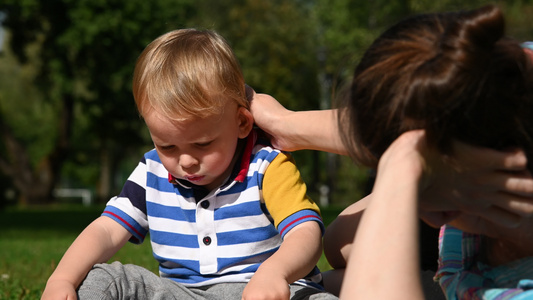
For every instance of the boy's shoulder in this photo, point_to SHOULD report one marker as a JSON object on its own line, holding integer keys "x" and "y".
{"x": 262, "y": 148}
{"x": 152, "y": 163}
{"x": 152, "y": 155}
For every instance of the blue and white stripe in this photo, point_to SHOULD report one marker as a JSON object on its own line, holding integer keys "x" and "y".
{"x": 241, "y": 232}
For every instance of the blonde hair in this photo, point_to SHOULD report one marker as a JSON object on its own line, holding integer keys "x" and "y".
{"x": 188, "y": 73}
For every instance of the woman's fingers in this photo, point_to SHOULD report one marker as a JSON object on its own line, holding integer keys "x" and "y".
{"x": 481, "y": 181}
{"x": 521, "y": 206}
{"x": 474, "y": 157}
{"x": 519, "y": 184}
{"x": 508, "y": 191}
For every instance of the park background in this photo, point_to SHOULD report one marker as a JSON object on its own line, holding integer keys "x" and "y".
{"x": 69, "y": 130}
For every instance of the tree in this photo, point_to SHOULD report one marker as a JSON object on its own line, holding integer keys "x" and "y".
{"x": 66, "y": 109}
{"x": 275, "y": 42}
{"x": 85, "y": 54}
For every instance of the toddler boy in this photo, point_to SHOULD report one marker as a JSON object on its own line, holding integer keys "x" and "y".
{"x": 228, "y": 217}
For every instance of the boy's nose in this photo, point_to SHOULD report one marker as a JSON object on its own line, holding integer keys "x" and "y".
{"x": 186, "y": 161}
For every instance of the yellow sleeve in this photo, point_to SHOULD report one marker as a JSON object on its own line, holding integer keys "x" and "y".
{"x": 284, "y": 191}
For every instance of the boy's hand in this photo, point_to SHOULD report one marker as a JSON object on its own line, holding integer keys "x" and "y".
{"x": 59, "y": 290}
{"x": 272, "y": 278}
{"x": 266, "y": 285}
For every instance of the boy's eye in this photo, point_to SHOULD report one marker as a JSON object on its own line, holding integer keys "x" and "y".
{"x": 205, "y": 144}
{"x": 169, "y": 147}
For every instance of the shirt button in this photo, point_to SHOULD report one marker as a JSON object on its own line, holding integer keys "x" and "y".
{"x": 207, "y": 240}
{"x": 205, "y": 204}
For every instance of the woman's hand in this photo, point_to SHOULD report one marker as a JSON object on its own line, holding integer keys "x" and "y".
{"x": 478, "y": 183}
{"x": 268, "y": 115}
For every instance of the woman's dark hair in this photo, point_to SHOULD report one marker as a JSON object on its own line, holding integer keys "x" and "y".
{"x": 453, "y": 74}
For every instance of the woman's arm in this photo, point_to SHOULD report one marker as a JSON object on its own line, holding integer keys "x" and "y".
{"x": 340, "y": 233}
{"x": 384, "y": 262}
{"x": 297, "y": 130}
{"x": 96, "y": 244}
{"x": 490, "y": 184}
{"x": 475, "y": 199}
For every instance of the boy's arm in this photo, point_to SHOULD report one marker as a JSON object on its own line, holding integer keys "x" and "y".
{"x": 297, "y": 256}
{"x": 96, "y": 244}
{"x": 297, "y": 218}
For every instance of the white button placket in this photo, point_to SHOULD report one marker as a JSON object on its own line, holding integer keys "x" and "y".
{"x": 207, "y": 239}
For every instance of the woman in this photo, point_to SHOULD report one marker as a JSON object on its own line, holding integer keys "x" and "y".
{"x": 416, "y": 162}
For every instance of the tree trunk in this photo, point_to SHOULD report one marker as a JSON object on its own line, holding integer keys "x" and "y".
{"x": 104, "y": 183}
{"x": 36, "y": 183}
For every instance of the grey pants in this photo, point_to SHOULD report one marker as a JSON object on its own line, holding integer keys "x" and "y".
{"x": 117, "y": 281}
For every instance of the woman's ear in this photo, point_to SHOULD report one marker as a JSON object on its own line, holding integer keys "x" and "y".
{"x": 245, "y": 122}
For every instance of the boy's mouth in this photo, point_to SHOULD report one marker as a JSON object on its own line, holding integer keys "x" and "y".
{"x": 193, "y": 178}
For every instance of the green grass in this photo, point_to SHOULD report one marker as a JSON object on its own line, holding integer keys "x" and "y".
{"x": 32, "y": 241}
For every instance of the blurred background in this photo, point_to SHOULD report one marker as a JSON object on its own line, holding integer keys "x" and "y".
{"x": 69, "y": 130}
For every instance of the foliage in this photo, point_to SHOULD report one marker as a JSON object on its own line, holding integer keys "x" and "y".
{"x": 83, "y": 63}
{"x": 277, "y": 54}
{"x": 67, "y": 116}
{"x": 16, "y": 83}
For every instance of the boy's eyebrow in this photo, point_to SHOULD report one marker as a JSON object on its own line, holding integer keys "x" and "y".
{"x": 205, "y": 137}
{"x": 202, "y": 140}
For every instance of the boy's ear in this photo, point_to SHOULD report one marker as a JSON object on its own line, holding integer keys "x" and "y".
{"x": 245, "y": 121}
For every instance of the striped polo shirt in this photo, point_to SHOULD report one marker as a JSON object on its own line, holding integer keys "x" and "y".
{"x": 224, "y": 234}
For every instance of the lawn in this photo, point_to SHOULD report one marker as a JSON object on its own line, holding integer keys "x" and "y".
{"x": 32, "y": 242}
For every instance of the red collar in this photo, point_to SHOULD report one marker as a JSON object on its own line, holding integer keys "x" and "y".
{"x": 245, "y": 159}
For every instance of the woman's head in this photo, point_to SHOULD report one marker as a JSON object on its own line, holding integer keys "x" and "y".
{"x": 188, "y": 73}
{"x": 453, "y": 74}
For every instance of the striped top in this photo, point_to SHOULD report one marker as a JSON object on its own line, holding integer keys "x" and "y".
{"x": 528, "y": 45}
{"x": 461, "y": 276}
{"x": 222, "y": 235}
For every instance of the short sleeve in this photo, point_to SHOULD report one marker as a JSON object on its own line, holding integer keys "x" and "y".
{"x": 285, "y": 195}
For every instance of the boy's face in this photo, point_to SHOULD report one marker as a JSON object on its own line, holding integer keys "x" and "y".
{"x": 200, "y": 151}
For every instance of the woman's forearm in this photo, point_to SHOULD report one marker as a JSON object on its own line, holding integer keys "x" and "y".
{"x": 316, "y": 130}
{"x": 384, "y": 260}
{"x": 297, "y": 130}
